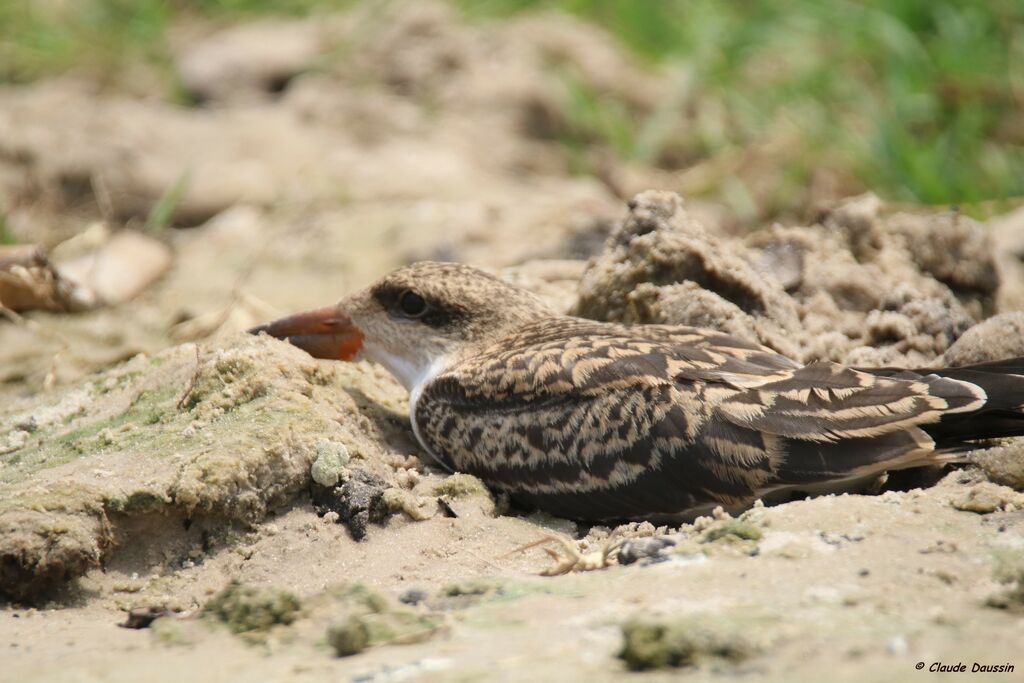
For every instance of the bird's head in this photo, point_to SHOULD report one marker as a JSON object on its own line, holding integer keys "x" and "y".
{"x": 415, "y": 320}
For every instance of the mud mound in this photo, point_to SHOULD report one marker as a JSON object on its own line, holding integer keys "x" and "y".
{"x": 1001, "y": 336}
{"x": 400, "y": 103}
{"x": 857, "y": 288}
{"x": 252, "y": 62}
{"x": 661, "y": 266}
{"x": 224, "y": 435}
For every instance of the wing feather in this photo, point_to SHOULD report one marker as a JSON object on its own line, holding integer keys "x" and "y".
{"x": 599, "y": 421}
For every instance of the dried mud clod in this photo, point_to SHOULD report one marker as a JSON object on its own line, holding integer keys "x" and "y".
{"x": 997, "y": 338}
{"x": 250, "y": 62}
{"x": 660, "y": 259}
{"x": 329, "y": 466}
{"x": 955, "y": 250}
{"x": 655, "y": 644}
{"x": 856, "y": 288}
{"x": 40, "y": 550}
{"x": 256, "y": 417}
{"x": 116, "y": 269}
{"x": 986, "y": 497}
{"x": 357, "y": 502}
{"x": 461, "y": 486}
{"x": 1003, "y": 465}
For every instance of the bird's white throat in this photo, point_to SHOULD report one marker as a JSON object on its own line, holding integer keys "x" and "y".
{"x": 414, "y": 373}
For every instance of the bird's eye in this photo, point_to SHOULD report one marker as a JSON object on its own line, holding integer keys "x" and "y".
{"x": 412, "y": 304}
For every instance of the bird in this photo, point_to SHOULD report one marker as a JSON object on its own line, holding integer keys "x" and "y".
{"x": 600, "y": 421}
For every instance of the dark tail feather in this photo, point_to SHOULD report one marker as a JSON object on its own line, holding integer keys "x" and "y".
{"x": 1000, "y": 415}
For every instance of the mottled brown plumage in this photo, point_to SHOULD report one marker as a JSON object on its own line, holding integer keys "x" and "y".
{"x": 601, "y": 421}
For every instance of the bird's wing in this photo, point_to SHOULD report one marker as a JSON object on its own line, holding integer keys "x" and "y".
{"x": 600, "y": 421}
{"x": 833, "y": 423}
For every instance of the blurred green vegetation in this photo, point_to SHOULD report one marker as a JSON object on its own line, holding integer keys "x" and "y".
{"x": 921, "y": 100}
{"x": 40, "y": 38}
{"x": 6, "y": 238}
{"x": 918, "y": 100}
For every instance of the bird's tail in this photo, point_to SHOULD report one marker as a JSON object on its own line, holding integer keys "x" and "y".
{"x": 986, "y": 401}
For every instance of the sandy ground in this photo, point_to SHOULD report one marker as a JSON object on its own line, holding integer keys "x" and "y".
{"x": 151, "y": 455}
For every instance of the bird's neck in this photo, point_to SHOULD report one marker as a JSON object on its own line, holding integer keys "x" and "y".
{"x": 413, "y": 371}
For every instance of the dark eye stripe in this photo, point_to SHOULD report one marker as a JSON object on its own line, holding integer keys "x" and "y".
{"x": 435, "y": 314}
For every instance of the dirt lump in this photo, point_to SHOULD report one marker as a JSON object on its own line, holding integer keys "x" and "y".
{"x": 357, "y": 501}
{"x": 41, "y": 549}
{"x": 662, "y": 266}
{"x": 330, "y": 462}
{"x": 986, "y": 497}
{"x": 1003, "y": 464}
{"x": 997, "y": 338}
{"x": 955, "y": 250}
{"x": 227, "y": 434}
{"x": 857, "y": 287}
{"x": 249, "y": 62}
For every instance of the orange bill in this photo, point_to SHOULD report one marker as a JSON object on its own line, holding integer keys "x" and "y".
{"x": 323, "y": 333}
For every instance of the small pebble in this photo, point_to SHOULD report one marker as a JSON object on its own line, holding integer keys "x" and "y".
{"x": 897, "y": 646}
{"x": 636, "y": 549}
{"x": 413, "y": 596}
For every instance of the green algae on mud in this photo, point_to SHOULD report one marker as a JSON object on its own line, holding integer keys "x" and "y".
{"x": 361, "y": 618}
{"x": 472, "y": 588}
{"x": 227, "y": 433}
{"x": 732, "y": 530}
{"x": 245, "y": 609}
{"x": 458, "y": 485}
{"x": 349, "y": 636}
{"x": 465, "y": 486}
{"x": 1008, "y": 570}
{"x": 351, "y": 616}
{"x": 652, "y": 644}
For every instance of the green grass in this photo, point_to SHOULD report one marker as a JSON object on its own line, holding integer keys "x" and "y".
{"x": 100, "y": 36}
{"x": 105, "y": 38}
{"x": 159, "y": 218}
{"x": 918, "y": 100}
{"x": 7, "y": 238}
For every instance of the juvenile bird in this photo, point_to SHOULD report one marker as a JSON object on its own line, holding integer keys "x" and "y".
{"x": 601, "y": 421}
